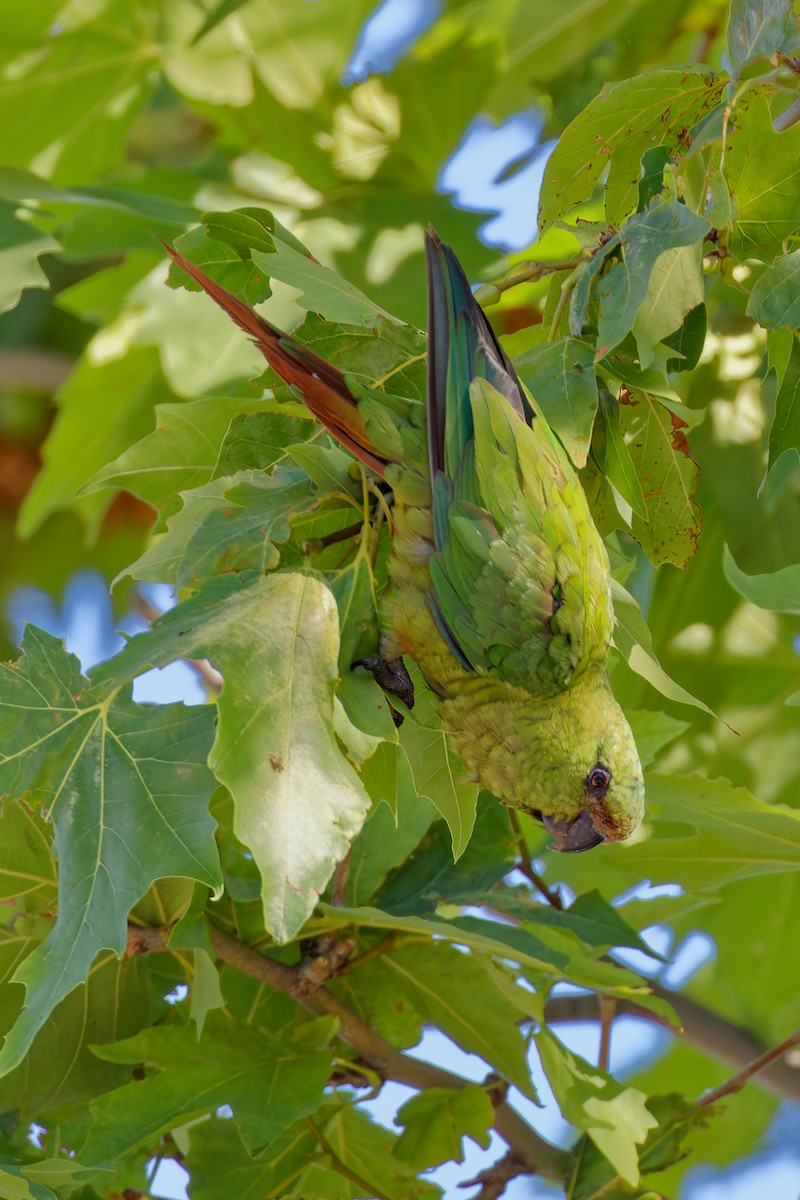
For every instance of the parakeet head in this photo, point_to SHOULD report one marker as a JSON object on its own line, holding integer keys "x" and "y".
{"x": 593, "y": 785}
{"x": 569, "y": 760}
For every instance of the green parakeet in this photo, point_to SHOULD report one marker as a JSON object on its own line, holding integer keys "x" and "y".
{"x": 500, "y": 580}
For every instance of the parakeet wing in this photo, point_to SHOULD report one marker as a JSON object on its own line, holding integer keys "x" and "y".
{"x": 521, "y": 576}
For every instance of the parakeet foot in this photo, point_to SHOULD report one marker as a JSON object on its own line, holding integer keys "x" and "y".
{"x": 391, "y": 675}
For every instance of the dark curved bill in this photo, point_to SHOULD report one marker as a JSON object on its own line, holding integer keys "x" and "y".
{"x": 572, "y": 837}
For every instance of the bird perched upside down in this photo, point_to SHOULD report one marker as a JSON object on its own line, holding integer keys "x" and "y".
{"x": 500, "y": 580}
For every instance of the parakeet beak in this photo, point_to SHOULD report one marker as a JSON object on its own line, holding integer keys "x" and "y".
{"x": 572, "y": 836}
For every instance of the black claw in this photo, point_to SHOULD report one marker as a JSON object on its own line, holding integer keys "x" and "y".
{"x": 392, "y": 676}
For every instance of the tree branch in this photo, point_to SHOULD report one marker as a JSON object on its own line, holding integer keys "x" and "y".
{"x": 714, "y": 1035}
{"x": 538, "y": 1156}
{"x": 737, "y": 1081}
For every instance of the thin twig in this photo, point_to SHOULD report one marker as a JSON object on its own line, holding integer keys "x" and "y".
{"x": 342, "y": 1167}
{"x": 526, "y": 865}
{"x": 608, "y": 1009}
{"x": 528, "y": 272}
{"x": 737, "y": 1081}
{"x": 538, "y": 1156}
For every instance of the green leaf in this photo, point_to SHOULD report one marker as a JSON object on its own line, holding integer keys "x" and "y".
{"x": 784, "y": 432}
{"x": 703, "y": 833}
{"x": 16, "y": 1184}
{"x": 431, "y": 875}
{"x": 436, "y": 1121}
{"x": 762, "y": 169}
{"x": 438, "y": 772}
{"x": 181, "y": 453}
{"x": 126, "y": 788}
{"x": 674, "y": 290}
{"x": 461, "y": 995}
{"x": 298, "y": 802}
{"x": 593, "y": 920}
{"x": 614, "y": 1116}
{"x": 267, "y": 1083}
{"x": 59, "y": 1070}
{"x": 775, "y": 298}
{"x": 388, "y": 355}
{"x": 206, "y": 994}
{"x": 321, "y": 290}
{"x": 593, "y": 1177}
{"x": 222, "y": 263}
{"x": 21, "y": 244}
{"x": 89, "y": 431}
{"x": 668, "y": 478}
{"x": 664, "y": 226}
{"x": 562, "y": 381}
{"x": 779, "y": 591}
{"x": 393, "y": 828}
{"x": 295, "y": 1164}
{"x": 756, "y": 29}
{"x": 626, "y": 119}
{"x": 614, "y": 456}
{"x": 74, "y": 94}
{"x": 688, "y": 341}
{"x": 243, "y": 530}
{"x": 652, "y": 731}
{"x": 634, "y": 642}
{"x": 256, "y": 440}
{"x": 551, "y": 955}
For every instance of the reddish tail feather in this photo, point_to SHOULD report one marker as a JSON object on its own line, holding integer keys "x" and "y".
{"x": 321, "y": 385}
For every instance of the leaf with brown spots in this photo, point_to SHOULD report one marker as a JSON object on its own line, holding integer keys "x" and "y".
{"x": 618, "y": 126}
{"x": 660, "y": 455}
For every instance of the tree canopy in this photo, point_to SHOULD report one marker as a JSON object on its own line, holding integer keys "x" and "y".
{"x": 225, "y": 925}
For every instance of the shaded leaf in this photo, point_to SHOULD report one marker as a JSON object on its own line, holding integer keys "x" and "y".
{"x": 460, "y": 994}
{"x": 89, "y": 431}
{"x": 784, "y": 432}
{"x": 21, "y": 244}
{"x": 438, "y": 772}
{"x": 231, "y": 1064}
{"x": 126, "y": 787}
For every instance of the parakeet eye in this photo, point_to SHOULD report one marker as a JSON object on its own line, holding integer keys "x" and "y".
{"x": 599, "y": 779}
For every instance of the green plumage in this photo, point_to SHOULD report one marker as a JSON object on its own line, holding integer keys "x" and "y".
{"x": 500, "y": 580}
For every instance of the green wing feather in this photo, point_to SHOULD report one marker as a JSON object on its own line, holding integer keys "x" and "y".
{"x": 520, "y": 576}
